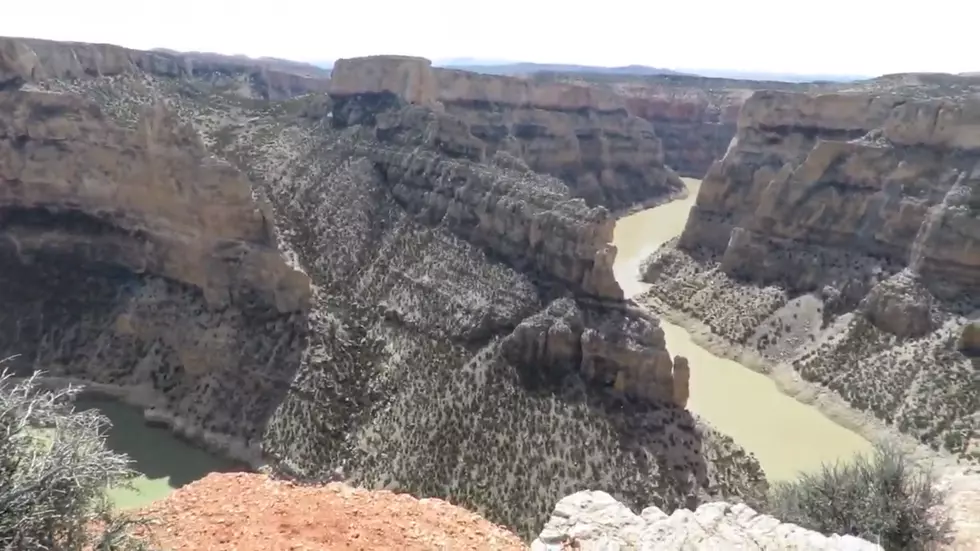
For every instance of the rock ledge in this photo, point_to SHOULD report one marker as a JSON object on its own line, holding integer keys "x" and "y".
{"x": 596, "y": 521}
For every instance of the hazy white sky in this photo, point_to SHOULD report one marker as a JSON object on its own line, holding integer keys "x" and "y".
{"x": 818, "y": 36}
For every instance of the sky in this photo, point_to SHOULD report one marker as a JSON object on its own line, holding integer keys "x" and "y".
{"x": 853, "y": 37}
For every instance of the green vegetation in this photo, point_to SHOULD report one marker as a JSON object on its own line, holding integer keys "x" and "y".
{"x": 55, "y": 469}
{"x": 883, "y": 499}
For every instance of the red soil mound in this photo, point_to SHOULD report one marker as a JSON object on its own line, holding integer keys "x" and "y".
{"x": 251, "y": 512}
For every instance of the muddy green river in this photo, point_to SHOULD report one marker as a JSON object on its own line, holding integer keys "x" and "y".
{"x": 164, "y": 461}
{"x": 785, "y": 435}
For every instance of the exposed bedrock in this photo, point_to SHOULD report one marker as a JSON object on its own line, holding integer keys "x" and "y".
{"x": 32, "y": 60}
{"x": 615, "y": 346}
{"x": 133, "y": 257}
{"x": 344, "y": 296}
{"x": 694, "y": 117}
{"x": 837, "y": 204}
{"x": 582, "y": 135}
{"x": 873, "y": 175}
{"x": 595, "y": 521}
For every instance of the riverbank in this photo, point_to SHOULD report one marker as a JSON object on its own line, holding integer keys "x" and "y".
{"x": 790, "y": 383}
{"x": 740, "y": 402}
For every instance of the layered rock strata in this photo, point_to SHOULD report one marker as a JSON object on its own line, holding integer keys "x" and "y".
{"x": 33, "y": 60}
{"x": 595, "y": 521}
{"x": 391, "y": 333}
{"x": 694, "y": 117}
{"x": 841, "y": 233}
{"x": 580, "y": 134}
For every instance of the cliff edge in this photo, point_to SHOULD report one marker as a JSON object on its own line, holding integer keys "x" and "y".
{"x": 582, "y": 135}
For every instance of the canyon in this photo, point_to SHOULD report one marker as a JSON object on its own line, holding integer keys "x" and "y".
{"x": 413, "y": 278}
{"x": 838, "y": 237}
{"x": 355, "y": 282}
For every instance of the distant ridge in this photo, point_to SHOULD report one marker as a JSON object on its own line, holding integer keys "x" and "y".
{"x": 526, "y": 68}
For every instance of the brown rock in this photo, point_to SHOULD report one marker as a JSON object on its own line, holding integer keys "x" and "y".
{"x": 969, "y": 342}
{"x": 835, "y": 171}
{"x": 682, "y": 381}
{"x": 186, "y": 215}
{"x": 580, "y": 134}
{"x": 33, "y": 60}
{"x": 622, "y": 348}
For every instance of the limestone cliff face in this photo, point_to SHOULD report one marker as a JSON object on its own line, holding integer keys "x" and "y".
{"x": 582, "y": 135}
{"x": 391, "y": 345}
{"x": 132, "y": 255}
{"x": 878, "y": 176}
{"x": 30, "y": 60}
{"x": 846, "y": 229}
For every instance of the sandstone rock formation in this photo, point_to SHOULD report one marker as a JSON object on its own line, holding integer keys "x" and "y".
{"x": 28, "y": 60}
{"x": 582, "y": 135}
{"x": 595, "y": 521}
{"x": 839, "y": 233}
{"x": 385, "y": 336}
{"x": 694, "y": 117}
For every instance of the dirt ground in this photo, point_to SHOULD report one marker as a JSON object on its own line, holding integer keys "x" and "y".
{"x": 252, "y": 512}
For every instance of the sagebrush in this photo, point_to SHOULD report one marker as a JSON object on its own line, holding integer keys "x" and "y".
{"x": 55, "y": 469}
{"x": 883, "y": 498}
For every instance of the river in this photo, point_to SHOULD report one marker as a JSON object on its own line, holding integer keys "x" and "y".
{"x": 785, "y": 435}
{"x": 163, "y": 461}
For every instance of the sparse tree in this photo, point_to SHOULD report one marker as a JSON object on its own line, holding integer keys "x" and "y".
{"x": 883, "y": 498}
{"x": 55, "y": 469}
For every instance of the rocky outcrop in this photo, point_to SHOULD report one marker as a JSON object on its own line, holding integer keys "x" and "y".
{"x": 390, "y": 346}
{"x": 612, "y": 345}
{"x": 31, "y": 60}
{"x": 595, "y": 521}
{"x": 839, "y": 230}
{"x": 580, "y": 134}
{"x": 969, "y": 342}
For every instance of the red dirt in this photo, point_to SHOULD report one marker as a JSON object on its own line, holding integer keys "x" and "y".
{"x": 252, "y": 512}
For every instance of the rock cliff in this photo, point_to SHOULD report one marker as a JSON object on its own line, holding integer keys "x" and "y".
{"x": 31, "y": 60}
{"x": 364, "y": 284}
{"x": 580, "y": 134}
{"x": 841, "y": 233}
{"x": 595, "y": 521}
{"x": 694, "y": 117}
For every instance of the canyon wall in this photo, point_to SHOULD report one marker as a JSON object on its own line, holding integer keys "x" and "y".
{"x": 841, "y": 233}
{"x": 131, "y": 255}
{"x": 694, "y": 117}
{"x": 356, "y": 281}
{"x": 34, "y": 60}
{"x": 583, "y": 135}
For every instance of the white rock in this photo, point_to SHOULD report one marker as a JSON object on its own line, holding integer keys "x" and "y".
{"x": 597, "y": 522}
